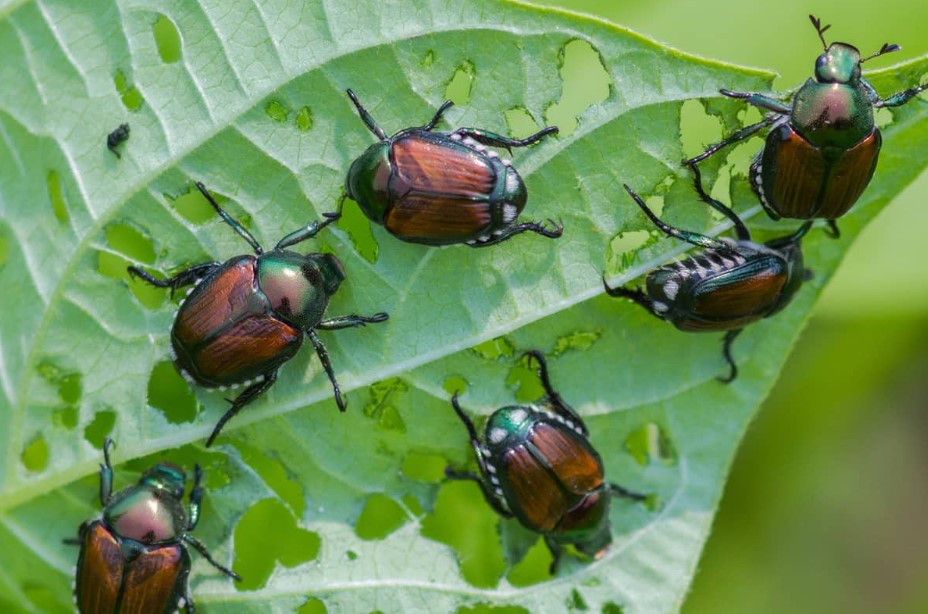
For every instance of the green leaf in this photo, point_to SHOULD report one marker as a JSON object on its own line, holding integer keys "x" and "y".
{"x": 350, "y": 509}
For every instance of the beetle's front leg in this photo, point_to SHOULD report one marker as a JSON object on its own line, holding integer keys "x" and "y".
{"x": 309, "y": 231}
{"x": 760, "y": 101}
{"x": 351, "y": 321}
{"x": 555, "y": 231}
{"x": 106, "y": 474}
{"x": 900, "y": 98}
{"x": 554, "y": 397}
{"x": 620, "y": 491}
{"x": 497, "y": 140}
{"x": 635, "y": 295}
{"x": 184, "y": 278}
{"x": 247, "y": 396}
{"x": 740, "y": 135}
{"x": 196, "y": 498}
{"x": 556, "y": 551}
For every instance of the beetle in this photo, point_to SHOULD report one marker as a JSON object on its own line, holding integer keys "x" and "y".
{"x": 727, "y": 285}
{"x": 134, "y": 558}
{"x": 247, "y": 316}
{"x": 440, "y": 188}
{"x": 822, "y": 147}
{"x": 115, "y": 138}
{"x": 537, "y": 465}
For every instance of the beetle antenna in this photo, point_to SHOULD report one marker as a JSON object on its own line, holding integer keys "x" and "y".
{"x": 366, "y": 117}
{"x": 818, "y": 28}
{"x": 237, "y": 227}
{"x": 886, "y": 48}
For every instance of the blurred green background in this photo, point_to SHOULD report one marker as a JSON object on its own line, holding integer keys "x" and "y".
{"x": 825, "y": 508}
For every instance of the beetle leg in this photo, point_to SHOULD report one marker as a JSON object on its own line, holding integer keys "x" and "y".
{"x": 740, "y": 229}
{"x": 247, "y": 396}
{"x": 350, "y": 321}
{"x": 308, "y": 232}
{"x": 740, "y": 135}
{"x": 184, "y": 278}
{"x": 726, "y": 352}
{"x": 199, "y": 547}
{"x": 366, "y": 117}
{"x": 189, "y": 607}
{"x": 556, "y": 552}
{"x": 900, "y": 98}
{"x": 759, "y": 100}
{"x": 832, "y": 229}
{"x": 497, "y": 140}
{"x": 196, "y": 497}
{"x": 554, "y": 398}
{"x": 620, "y": 491}
{"x": 635, "y": 295}
{"x": 106, "y": 474}
{"x": 554, "y": 232}
{"x": 437, "y": 117}
{"x": 693, "y": 238}
{"x": 231, "y": 221}
{"x": 327, "y": 365}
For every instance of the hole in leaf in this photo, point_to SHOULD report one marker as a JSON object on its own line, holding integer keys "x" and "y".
{"x": 304, "y": 119}
{"x": 100, "y": 427}
{"x": 494, "y": 349}
{"x": 266, "y": 534}
{"x": 579, "y": 341}
{"x": 523, "y": 379}
{"x": 69, "y": 388}
{"x": 534, "y": 566}
{"x": 352, "y": 555}
{"x": 131, "y": 96}
{"x": 380, "y": 517}
{"x": 35, "y": 454}
{"x": 428, "y": 59}
{"x": 312, "y": 606}
{"x": 429, "y": 468}
{"x": 698, "y": 129}
{"x": 463, "y": 520}
{"x": 170, "y": 394}
{"x": 65, "y": 418}
{"x": 650, "y": 444}
{"x": 276, "y": 111}
{"x": 459, "y": 87}
{"x": 138, "y": 247}
{"x": 167, "y": 39}
{"x": 455, "y": 383}
{"x": 275, "y": 474}
{"x": 358, "y": 227}
{"x": 623, "y": 249}
{"x": 612, "y": 608}
{"x": 56, "y": 195}
{"x": 576, "y": 601}
{"x": 487, "y": 608}
{"x": 381, "y": 408}
{"x": 194, "y": 207}
{"x": 521, "y": 123}
{"x": 882, "y": 117}
{"x": 585, "y": 83}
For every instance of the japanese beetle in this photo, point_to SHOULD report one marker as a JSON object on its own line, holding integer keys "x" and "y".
{"x": 822, "y": 147}
{"x": 537, "y": 465}
{"x": 727, "y": 285}
{"x": 440, "y": 188}
{"x": 134, "y": 558}
{"x": 246, "y": 317}
{"x": 115, "y": 138}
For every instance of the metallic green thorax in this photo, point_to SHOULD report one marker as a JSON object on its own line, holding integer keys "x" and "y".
{"x": 152, "y": 511}
{"x": 368, "y": 181}
{"x": 834, "y": 109}
{"x": 298, "y": 287}
{"x": 509, "y": 426}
